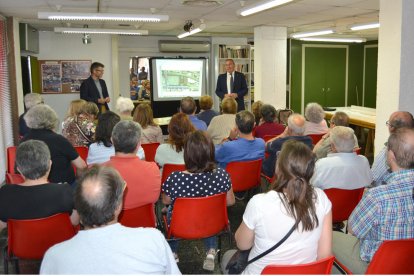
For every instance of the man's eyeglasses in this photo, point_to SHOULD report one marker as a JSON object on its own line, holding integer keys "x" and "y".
{"x": 387, "y": 123}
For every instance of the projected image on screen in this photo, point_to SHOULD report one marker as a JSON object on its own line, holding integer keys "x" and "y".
{"x": 178, "y": 78}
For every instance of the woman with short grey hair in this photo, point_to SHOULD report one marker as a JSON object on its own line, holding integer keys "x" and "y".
{"x": 30, "y": 100}
{"x": 124, "y": 107}
{"x": 315, "y": 123}
{"x": 42, "y": 121}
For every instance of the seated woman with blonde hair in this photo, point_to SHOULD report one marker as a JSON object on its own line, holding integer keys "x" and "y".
{"x": 124, "y": 107}
{"x": 151, "y": 132}
{"x": 221, "y": 125}
{"x": 293, "y": 203}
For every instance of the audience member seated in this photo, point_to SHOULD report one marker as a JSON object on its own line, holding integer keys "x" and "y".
{"x": 292, "y": 202}
{"x": 143, "y": 178}
{"x": 315, "y": 116}
{"x": 188, "y": 106}
{"x": 267, "y": 125}
{"x": 206, "y": 113}
{"x": 256, "y": 106}
{"x": 35, "y": 197}
{"x": 30, "y": 100}
{"x": 151, "y": 132}
{"x": 101, "y": 151}
{"x": 380, "y": 168}
{"x": 385, "y": 212}
{"x": 134, "y": 88}
{"x": 79, "y": 129}
{"x": 342, "y": 169}
{"x": 323, "y": 147}
{"x": 201, "y": 178}
{"x": 172, "y": 152}
{"x": 124, "y": 107}
{"x": 144, "y": 92}
{"x": 43, "y": 120}
{"x": 105, "y": 246}
{"x": 221, "y": 125}
{"x": 245, "y": 147}
{"x": 294, "y": 131}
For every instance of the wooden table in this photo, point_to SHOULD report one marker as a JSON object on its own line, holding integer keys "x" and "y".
{"x": 360, "y": 116}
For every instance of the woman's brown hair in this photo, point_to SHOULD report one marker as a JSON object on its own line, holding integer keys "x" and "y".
{"x": 144, "y": 116}
{"x": 294, "y": 169}
{"x": 199, "y": 153}
{"x": 178, "y": 130}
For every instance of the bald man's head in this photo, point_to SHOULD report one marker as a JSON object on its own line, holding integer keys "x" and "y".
{"x": 401, "y": 143}
{"x": 400, "y": 119}
{"x": 296, "y": 124}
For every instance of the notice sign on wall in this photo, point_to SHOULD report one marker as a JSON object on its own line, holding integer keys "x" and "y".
{"x": 63, "y": 76}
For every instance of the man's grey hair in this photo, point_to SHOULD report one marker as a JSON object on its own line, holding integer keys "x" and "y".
{"x": 32, "y": 99}
{"x": 342, "y": 138}
{"x": 126, "y": 136}
{"x": 296, "y": 124}
{"x": 41, "y": 116}
{"x": 124, "y": 104}
{"x": 401, "y": 143}
{"x": 314, "y": 113}
{"x": 33, "y": 159}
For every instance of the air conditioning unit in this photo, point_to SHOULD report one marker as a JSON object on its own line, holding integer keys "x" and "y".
{"x": 176, "y": 46}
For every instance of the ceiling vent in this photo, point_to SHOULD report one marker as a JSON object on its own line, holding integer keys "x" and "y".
{"x": 202, "y": 3}
{"x": 173, "y": 46}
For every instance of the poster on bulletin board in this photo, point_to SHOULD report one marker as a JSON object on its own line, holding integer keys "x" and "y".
{"x": 63, "y": 76}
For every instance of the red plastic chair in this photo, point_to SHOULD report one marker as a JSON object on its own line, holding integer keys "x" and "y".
{"x": 357, "y": 151}
{"x": 150, "y": 150}
{"x": 169, "y": 169}
{"x": 143, "y": 216}
{"x": 392, "y": 257}
{"x": 343, "y": 202}
{"x": 82, "y": 151}
{"x": 11, "y": 159}
{"x": 198, "y": 218}
{"x": 244, "y": 175}
{"x": 316, "y": 137}
{"x": 268, "y": 137}
{"x": 31, "y": 238}
{"x": 14, "y": 178}
{"x": 322, "y": 266}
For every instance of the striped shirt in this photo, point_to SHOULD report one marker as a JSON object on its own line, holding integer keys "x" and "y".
{"x": 385, "y": 213}
{"x": 380, "y": 169}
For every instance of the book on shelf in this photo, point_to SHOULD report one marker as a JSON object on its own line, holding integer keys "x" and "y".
{"x": 228, "y": 52}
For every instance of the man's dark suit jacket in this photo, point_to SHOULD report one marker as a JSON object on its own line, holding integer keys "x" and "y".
{"x": 239, "y": 87}
{"x": 89, "y": 92}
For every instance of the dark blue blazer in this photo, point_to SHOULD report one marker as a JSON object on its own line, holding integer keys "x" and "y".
{"x": 89, "y": 92}
{"x": 239, "y": 87}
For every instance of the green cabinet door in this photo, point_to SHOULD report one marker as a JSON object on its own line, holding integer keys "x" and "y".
{"x": 370, "y": 85}
{"x": 325, "y": 76}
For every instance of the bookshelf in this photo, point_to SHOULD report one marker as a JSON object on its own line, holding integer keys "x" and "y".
{"x": 241, "y": 54}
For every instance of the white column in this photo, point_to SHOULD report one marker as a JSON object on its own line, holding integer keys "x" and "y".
{"x": 270, "y": 59}
{"x": 395, "y": 78}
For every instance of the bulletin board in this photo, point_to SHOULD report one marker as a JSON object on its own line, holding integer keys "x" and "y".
{"x": 63, "y": 76}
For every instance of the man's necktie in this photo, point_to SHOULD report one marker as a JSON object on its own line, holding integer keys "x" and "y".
{"x": 231, "y": 83}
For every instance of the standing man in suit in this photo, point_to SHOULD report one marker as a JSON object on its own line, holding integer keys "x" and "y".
{"x": 94, "y": 89}
{"x": 232, "y": 84}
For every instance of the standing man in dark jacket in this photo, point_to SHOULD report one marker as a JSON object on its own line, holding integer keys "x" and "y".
{"x": 94, "y": 89}
{"x": 232, "y": 84}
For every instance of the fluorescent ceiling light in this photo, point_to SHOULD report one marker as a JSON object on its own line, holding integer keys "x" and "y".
{"x": 102, "y": 16}
{"x": 335, "y": 39}
{"x": 99, "y": 31}
{"x": 193, "y": 31}
{"x": 261, "y": 6}
{"x": 311, "y": 33}
{"x": 365, "y": 26}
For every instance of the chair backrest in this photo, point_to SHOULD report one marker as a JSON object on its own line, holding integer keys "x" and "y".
{"x": 31, "y": 238}
{"x": 244, "y": 175}
{"x": 283, "y": 115}
{"x": 315, "y": 138}
{"x": 322, "y": 266}
{"x": 268, "y": 137}
{"x": 150, "y": 150}
{"x": 198, "y": 217}
{"x": 343, "y": 202}
{"x": 393, "y": 257}
{"x": 357, "y": 151}
{"x": 169, "y": 169}
{"x": 82, "y": 151}
{"x": 14, "y": 178}
{"x": 143, "y": 216}
{"x": 11, "y": 159}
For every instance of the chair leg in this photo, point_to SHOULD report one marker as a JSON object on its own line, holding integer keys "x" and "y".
{"x": 5, "y": 261}
{"x": 219, "y": 249}
{"x": 16, "y": 266}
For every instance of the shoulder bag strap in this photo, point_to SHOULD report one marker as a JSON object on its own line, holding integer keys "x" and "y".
{"x": 80, "y": 130}
{"x": 274, "y": 246}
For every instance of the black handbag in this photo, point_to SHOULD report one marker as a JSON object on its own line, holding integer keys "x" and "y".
{"x": 239, "y": 261}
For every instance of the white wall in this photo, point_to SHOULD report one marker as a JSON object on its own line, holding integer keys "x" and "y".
{"x": 60, "y": 47}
